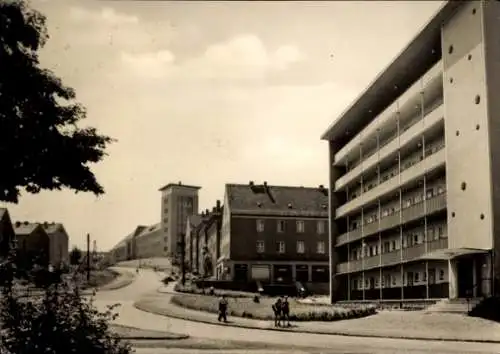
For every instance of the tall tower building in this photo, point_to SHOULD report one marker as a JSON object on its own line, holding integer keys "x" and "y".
{"x": 178, "y": 201}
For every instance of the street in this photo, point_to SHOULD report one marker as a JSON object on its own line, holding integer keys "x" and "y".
{"x": 148, "y": 282}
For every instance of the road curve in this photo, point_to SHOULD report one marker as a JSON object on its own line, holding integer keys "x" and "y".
{"x": 147, "y": 281}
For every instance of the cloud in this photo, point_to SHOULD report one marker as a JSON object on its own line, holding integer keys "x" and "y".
{"x": 106, "y": 15}
{"x": 241, "y": 57}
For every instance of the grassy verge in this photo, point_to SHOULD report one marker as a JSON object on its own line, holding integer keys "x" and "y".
{"x": 99, "y": 278}
{"x": 245, "y": 307}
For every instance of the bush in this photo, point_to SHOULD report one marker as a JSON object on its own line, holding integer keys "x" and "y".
{"x": 59, "y": 321}
{"x": 247, "y": 308}
{"x": 190, "y": 288}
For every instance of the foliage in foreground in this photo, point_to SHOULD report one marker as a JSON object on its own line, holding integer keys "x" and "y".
{"x": 41, "y": 145}
{"x": 59, "y": 321}
{"x": 247, "y": 308}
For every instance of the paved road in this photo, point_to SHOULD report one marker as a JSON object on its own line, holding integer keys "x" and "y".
{"x": 148, "y": 282}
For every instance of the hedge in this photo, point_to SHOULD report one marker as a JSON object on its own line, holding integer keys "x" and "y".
{"x": 245, "y": 307}
{"x": 194, "y": 290}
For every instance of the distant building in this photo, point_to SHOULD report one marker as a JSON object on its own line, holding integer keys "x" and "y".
{"x": 7, "y": 235}
{"x": 273, "y": 234}
{"x": 149, "y": 242}
{"x": 178, "y": 201}
{"x": 33, "y": 243}
{"x": 59, "y": 243}
{"x": 415, "y": 168}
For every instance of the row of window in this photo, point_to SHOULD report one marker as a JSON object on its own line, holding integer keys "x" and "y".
{"x": 300, "y": 247}
{"x": 407, "y": 202}
{"x": 300, "y": 226}
{"x": 393, "y": 171}
{"x": 409, "y": 279}
{"x": 408, "y": 240}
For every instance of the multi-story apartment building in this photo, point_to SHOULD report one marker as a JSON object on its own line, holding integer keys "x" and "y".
{"x": 414, "y": 165}
{"x": 177, "y": 203}
{"x": 274, "y": 234}
{"x": 148, "y": 241}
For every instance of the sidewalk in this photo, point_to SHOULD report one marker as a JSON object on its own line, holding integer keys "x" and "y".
{"x": 385, "y": 324}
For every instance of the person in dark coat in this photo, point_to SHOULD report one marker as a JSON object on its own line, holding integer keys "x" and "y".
{"x": 222, "y": 309}
{"x": 277, "y": 312}
{"x": 285, "y": 311}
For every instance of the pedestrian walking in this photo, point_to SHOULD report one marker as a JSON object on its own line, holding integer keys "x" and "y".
{"x": 277, "y": 312}
{"x": 285, "y": 311}
{"x": 222, "y": 309}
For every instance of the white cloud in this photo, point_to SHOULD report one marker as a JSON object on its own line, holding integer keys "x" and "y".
{"x": 106, "y": 15}
{"x": 241, "y": 57}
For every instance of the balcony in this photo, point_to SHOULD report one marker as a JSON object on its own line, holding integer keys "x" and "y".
{"x": 414, "y": 212}
{"x": 407, "y": 137}
{"x": 392, "y": 258}
{"x": 428, "y": 164}
{"x": 389, "y": 113}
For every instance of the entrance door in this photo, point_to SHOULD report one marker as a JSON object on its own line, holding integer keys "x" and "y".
{"x": 240, "y": 273}
{"x": 465, "y": 275}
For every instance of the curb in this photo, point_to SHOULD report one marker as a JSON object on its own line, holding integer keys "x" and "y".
{"x": 121, "y": 283}
{"x": 332, "y": 333}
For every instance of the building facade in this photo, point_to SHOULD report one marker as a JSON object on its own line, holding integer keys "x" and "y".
{"x": 192, "y": 228}
{"x": 275, "y": 235}
{"x": 415, "y": 210}
{"x": 178, "y": 201}
{"x": 59, "y": 243}
{"x": 148, "y": 241}
{"x": 33, "y": 243}
{"x": 7, "y": 235}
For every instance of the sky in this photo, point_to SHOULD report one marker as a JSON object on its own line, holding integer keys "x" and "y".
{"x": 208, "y": 93}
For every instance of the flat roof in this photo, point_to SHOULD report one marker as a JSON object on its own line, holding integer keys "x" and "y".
{"x": 178, "y": 185}
{"x": 404, "y": 70}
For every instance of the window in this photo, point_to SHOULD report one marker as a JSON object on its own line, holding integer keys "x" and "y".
{"x": 280, "y": 247}
{"x": 387, "y": 247}
{"x": 320, "y": 247}
{"x": 281, "y": 226}
{"x": 440, "y": 232}
{"x": 320, "y": 227}
{"x": 385, "y": 212}
{"x": 300, "y": 247}
{"x": 417, "y": 277}
{"x": 393, "y": 279}
{"x": 441, "y": 274}
{"x": 424, "y": 277}
{"x": 415, "y": 239}
{"x": 440, "y": 190}
{"x": 408, "y": 203}
{"x": 260, "y": 246}
{"x": 393, "y": 245}
{"x": 429, "y": 193}
{"x": 260, "y": 225}
{"x": 300, "y": 226}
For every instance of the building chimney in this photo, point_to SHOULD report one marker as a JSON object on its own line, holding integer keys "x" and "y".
{"x": 251, "y": 183}
{"x": 180, "y": 183}
{"x": 214, "y": 209}
{"x": 217, "y": 205}
{"x": 207, "y": 211}
{"x": 265, "y": 183}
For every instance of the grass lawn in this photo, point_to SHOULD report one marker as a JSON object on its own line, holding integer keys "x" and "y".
{"x": 246, "y": 307}
{"x": 99, "y": 278}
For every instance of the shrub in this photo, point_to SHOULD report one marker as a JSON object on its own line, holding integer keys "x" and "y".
{"x": 190, "y": 288}
{"x": 59, "y": 321}
{"x": 247, "y": 308}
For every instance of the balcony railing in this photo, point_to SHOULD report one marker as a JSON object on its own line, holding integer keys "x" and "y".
{"x": 414, "y": 212}
{"x": 392, "y": 258}
{"x": 430, "y": 163}
{"x": 388, "y": 113}
{"x": 406, "y": 137}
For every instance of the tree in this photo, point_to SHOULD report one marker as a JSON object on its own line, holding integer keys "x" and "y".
{"x": 41, "y": 145}
{"x": 75, "y": 256}
{"x": 60, "y": 320}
